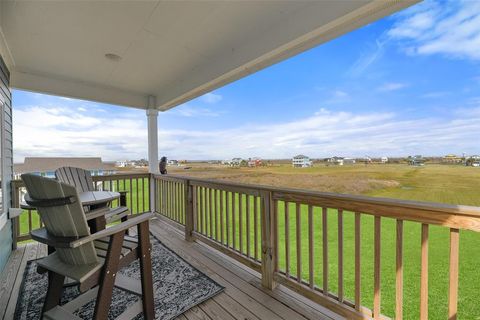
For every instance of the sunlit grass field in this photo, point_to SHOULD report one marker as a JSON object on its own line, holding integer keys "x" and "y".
{"x": 436, "y": 183}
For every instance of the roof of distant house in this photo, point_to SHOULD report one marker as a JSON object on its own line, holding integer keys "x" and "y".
{"x": 47, "y": 164}
{"x": 300, "y": 156}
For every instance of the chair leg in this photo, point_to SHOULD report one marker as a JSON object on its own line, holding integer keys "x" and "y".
{"x": 107, "y": 282}
{"x": 146, "y": 271}
{"x": 54, "y": 291}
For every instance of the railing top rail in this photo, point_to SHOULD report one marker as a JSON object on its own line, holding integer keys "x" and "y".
{"x": 454, "y": 216}
{"x": 127, "y": 175}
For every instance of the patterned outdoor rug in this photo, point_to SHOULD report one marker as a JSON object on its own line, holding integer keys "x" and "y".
{"x": 179, "y": 287}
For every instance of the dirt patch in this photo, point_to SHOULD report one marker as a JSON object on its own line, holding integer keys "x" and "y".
{"x": 351, "y": 183}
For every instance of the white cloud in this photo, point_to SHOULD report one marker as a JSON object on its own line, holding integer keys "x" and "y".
{"x": 211, "y": 98}
{"x": 66, "y": 132}
{"x": 392, "y": 86}
{"x": 367, "y": 58}
{"x": 451, "y": 29}
{"x": 327, "y": 133}
{"x": 189, "y": 111}
{"x": 63, "y": 132}
{"x": 81, "y": 109}
{"x": 435, "y": 94}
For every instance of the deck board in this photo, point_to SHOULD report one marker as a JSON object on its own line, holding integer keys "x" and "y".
{"x": 244, "y": 297}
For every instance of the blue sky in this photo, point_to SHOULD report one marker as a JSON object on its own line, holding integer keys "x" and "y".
{"x": 407, "y": 84}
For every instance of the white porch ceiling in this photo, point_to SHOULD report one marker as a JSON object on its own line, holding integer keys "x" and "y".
{"x": 172, "y": 50}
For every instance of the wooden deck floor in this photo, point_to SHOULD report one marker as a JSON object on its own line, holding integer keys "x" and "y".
{"x": 244, "y": 298}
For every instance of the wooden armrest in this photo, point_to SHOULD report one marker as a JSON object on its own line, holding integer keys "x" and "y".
{"x": 96, "y": 213}
{"x": 121, "y": 227}
{"x": 41, "y": 235}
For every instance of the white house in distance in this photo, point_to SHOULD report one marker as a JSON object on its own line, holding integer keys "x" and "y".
{"x": 301, "y": 161}
{"x": 340, "y": 161}
{"x": 383, "y": 159}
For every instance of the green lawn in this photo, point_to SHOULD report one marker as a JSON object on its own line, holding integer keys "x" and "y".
{"x": 437, "y": 183}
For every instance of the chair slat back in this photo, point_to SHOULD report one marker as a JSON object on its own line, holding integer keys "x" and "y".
{"x": 66, "y": 220}
{"x": 79, "y": 178}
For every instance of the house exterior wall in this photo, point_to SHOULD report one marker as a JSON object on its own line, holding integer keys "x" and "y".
{"x": 7, "y": 163}
{"x": 301, "y": 162}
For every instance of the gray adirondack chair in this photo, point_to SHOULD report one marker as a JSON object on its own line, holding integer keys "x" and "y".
{"x": 82, "y": 180}
{"x": 92, "y": 260}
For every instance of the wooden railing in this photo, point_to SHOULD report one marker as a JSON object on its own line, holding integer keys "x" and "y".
{"x": 137, "y": 186}
{"x": 300, "y": 239}
{"x": 331, "y": 248}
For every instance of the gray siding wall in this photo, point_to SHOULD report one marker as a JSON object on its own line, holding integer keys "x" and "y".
{"x": 7, "y": 156}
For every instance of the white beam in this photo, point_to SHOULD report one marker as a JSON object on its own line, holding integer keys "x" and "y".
{"x": 152, "y": 122}
{"x": 76, "y": 89}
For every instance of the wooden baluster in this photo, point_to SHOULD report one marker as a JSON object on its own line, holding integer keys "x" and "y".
{"x": 424, "y": 274}
{"x": 196, "y": 210}
{"x": 453, "y": 279}
{"x": 175, "y": 201}
{"x": 221, "y": 216}
{"x": 287, "y": 240}
{"x": 143, "y": 194}
{"x": 131, "y": 195}
{"x": 200, "y": 209}
{"x": 357, "y": 262}
{"x": 248, "y": 223}
{"x": 240, "y": 221}
{"x": 399, "y": 273}
{"x": 299, "y": 242}
{"x": 189, "y": 200}
{"x": 138, "y": 195}
{"x": 255, "y": 227}
{"x": 376, "y": 269}
{"x": 275, "y": 232}
{"x": 234, "y": 222}
{"x": 311, "y": 255}
{"x": 325, "y": 249}
{"x": 227, "y": 217}
{"x": 30, "y": 221}
{"x": 210, "y": 210}
{"x": 217, "y": 237}
{"x": 179, "y": 203}
{"x": 340, "y": 255}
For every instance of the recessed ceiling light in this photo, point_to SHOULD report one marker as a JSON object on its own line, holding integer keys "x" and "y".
{"x": 113, "y": 57}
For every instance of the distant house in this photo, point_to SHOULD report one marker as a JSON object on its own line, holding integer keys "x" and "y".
{"x": 236, "y": 162}
{"x": 383, "y": 159}
{"x": 473, "y": 161}
{"x": 301, "y": 161}
{"x": 46, "y": 166}
{"x": 335, "y": 161}
{"x": 451, "y": 158}
{"x": 125, "y": 163}
{"x": 254, "y": 162}
{"x": 416, "y": 160}
{"x": 340, "y": 161}
{"x": 173, "y": 163}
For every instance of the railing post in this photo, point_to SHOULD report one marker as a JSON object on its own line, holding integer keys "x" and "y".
{"x": 268, "y": 243}
{"x": 188, "y": 211}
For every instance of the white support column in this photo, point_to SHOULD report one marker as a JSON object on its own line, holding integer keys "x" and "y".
{"x": 152, "y": 123}
{"x": 152, "y": 119}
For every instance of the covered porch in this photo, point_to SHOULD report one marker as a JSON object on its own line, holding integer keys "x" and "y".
{"x": 270, "y": 247}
